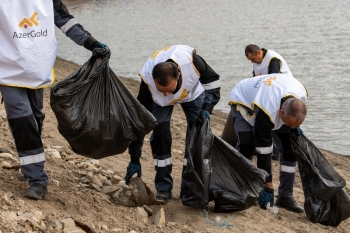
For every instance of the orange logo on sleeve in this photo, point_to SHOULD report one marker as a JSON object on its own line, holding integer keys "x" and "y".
{"x": 29, "y": 22}
{"x": 269, "y": 81}
{"x": 155, "y": 54}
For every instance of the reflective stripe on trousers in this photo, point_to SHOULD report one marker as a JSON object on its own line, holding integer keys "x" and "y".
{"x": 24, "y": 109}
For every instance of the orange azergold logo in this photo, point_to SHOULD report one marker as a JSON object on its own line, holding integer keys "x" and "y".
{"x": 29, "y": 22}
{"x": 269, "y": 81}
{"x": 182, "y": 96}
{"x": 155, "y": 54}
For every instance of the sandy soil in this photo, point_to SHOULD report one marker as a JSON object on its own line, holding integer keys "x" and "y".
{"x": 87, "y": 205}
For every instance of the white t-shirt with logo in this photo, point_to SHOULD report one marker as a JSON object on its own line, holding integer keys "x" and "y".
{"x": 191, "y": 87}
{"x": 28, "y": 43}
{"x": 265, "y": 92}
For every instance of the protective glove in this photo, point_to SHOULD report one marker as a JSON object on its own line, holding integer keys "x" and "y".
{"x": 297, "y": 130}
{"x": 204, "y": 115}
{"x": 265, "y": 197}
{"x": 98, "y": 44}
{"x": 131, "y": 170}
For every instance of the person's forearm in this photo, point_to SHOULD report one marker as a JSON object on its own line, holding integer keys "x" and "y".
{"x": 71, "y": 27}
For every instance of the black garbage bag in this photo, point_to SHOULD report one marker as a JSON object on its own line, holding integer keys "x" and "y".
{"x": 229, "y": 134}
{"x": 196, "y": 175}
{"x": 96, "y": 113}
{"x": 217, "y": 171}
{"x": 326, "y": 201}
{"x": 235, "y": 182}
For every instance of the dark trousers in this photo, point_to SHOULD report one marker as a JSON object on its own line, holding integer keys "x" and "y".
{"x": 288, "y": 162}
{"x": 161, "y": 140}
{"x": 25, "y": 114}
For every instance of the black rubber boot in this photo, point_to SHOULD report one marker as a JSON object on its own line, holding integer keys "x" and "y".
{"x": 290, "y": 204}
{"x": 165, "y": 196}
{"x": 36, "y": 192}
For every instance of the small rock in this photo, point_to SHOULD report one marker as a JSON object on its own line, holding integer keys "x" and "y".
{"x": 113, "y": 230}
{"x": 142, "y": 212}
{"x": 6, "y": 165}
{"x": 116, "y": 179}
{"x": 55, "y": 182}
{"x": 53, "y": 153}
{"x": 109, "y": 190}
{"x": 97, "y": 188}
{"x": 148, "y": 210}
{"x": 159, "y": 219}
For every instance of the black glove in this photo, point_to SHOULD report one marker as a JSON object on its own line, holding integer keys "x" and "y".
{"x": 98, "y": 44}
{"x": 131, "y": 170}
{"x": 265, "y": 197}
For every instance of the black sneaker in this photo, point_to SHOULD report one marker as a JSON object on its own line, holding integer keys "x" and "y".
{"x": 36, "y": 191}
{"x": 289, "y": 203}
{"x": 165, "y": 196}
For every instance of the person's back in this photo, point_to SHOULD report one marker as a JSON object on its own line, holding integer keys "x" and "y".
{"x": 266, "y": 92}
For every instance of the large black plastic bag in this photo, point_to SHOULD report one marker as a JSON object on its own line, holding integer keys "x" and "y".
{"x": 235, "y": 182}
{"x": 229, "y": 134}
{"x": 96, "y": 113}
{"x": 216, "y": 171}
{"x": 196, "y": 175}
{"x": 326, "y": 201}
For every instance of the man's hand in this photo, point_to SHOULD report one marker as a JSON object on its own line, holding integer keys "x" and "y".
{"x": 265, "y": 197}
{"x": 297, "y": 130}
{"x": 131, "y": 170}
{"x": 204, "y": 115}
{"x": 98, "y": 44}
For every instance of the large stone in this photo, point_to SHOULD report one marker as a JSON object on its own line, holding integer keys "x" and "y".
{"x": 141, "y": 192}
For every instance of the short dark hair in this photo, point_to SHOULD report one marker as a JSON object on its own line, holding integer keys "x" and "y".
{"x": 295, "y": 108}
{"x": 252, "y": 49}
{"x": 165, "y": 71}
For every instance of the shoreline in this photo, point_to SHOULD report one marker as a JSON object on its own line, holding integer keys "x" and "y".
{"x": 219, "y": 113}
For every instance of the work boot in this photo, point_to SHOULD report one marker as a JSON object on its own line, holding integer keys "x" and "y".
{"x": 289, "y": 203}
{"x": 165, "y": 196}
{"x": 36, "y": 192}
